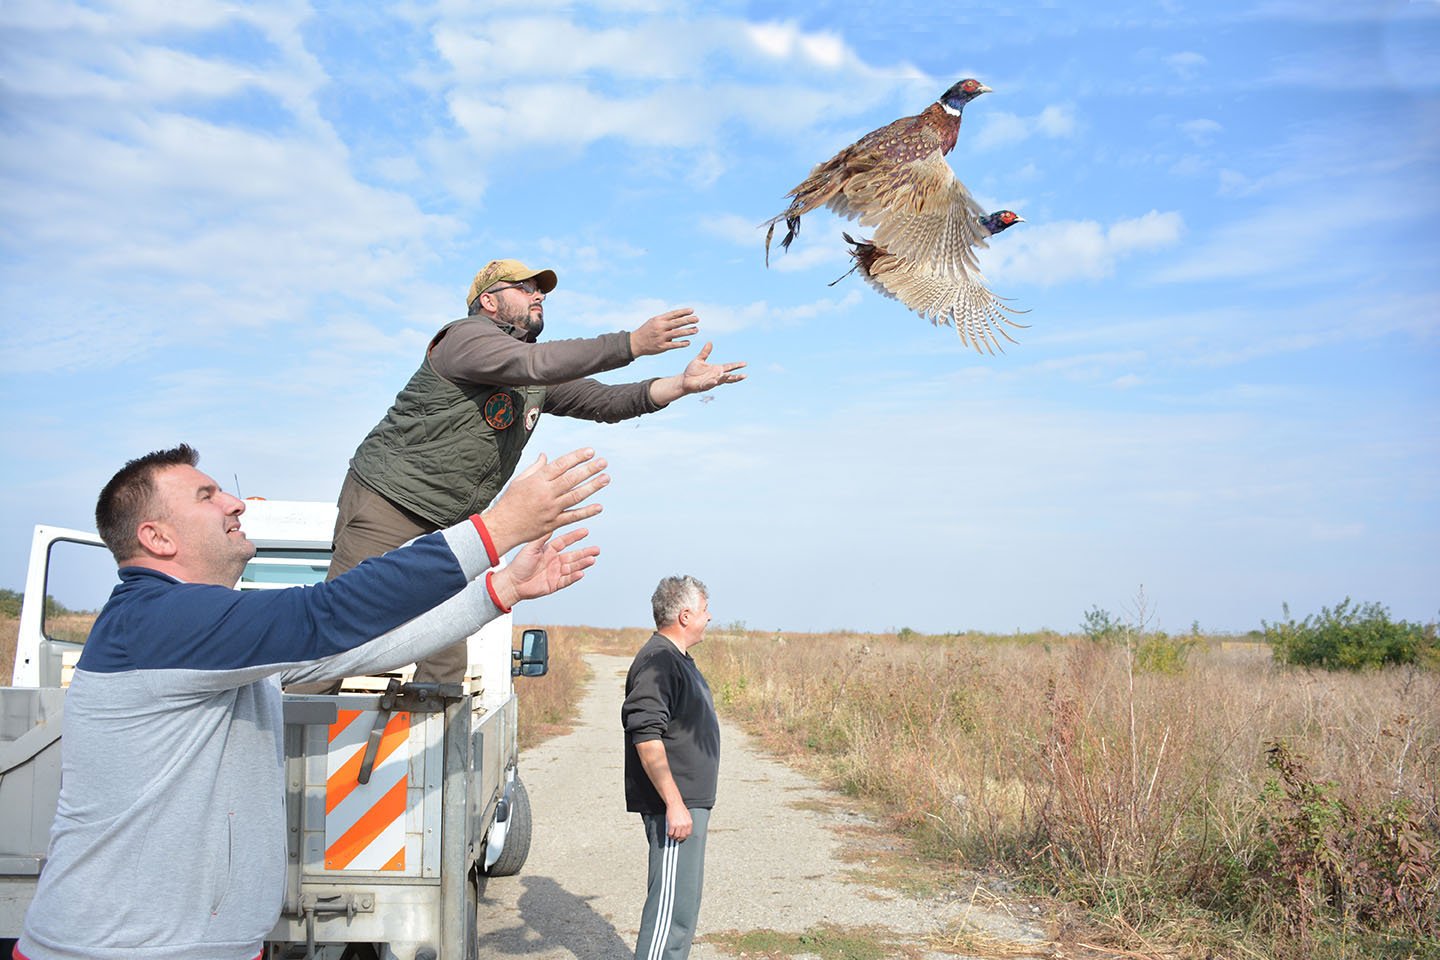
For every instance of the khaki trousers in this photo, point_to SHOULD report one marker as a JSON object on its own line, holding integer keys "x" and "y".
{"x": 368, "y": 525}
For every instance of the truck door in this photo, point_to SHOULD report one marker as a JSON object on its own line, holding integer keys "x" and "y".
{"x": 69, "y": 576}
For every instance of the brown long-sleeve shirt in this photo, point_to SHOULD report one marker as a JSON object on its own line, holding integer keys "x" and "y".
{"x": 476, "y": 352}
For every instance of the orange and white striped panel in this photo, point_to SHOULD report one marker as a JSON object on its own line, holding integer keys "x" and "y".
{"x": 365, "y": 822}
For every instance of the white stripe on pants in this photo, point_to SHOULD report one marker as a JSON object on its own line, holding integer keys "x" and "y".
{"x": 672, "y": 902}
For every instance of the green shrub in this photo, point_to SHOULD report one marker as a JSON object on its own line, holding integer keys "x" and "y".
{"x": 11, "y": 600}
{"x": 1102, "y": 626}
{"x": 1156, "y": 652}
{"x": 1161, "y": 653}
{"x": 1370, "y": 866}
{"x": 1349, "y": 637}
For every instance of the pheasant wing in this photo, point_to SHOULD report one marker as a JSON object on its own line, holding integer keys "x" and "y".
{"x": 920, "y": 212}
{"x": 965, "y": 302}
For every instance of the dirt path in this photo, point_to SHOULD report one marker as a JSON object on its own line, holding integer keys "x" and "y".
{"x": 775, "y": 857}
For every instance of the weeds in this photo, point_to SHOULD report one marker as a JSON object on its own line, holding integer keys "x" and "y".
{"x": 1141, "y": 791}
{"x": 1369, "y": 865}
{"x": 1230, "y": 807}
{"x": 547, "y": 704}
{"x": 826, "y": 942}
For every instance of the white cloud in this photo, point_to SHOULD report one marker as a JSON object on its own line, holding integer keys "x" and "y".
{"x": 552, "y": 81}
{"x": 122, "y": 190}
{"x": 733, "y": 227}
{"x": 398, "y": 169}
{"x": 1056, "y": 121}
{"x": 1201, "y": 130}
{"x": 1186, "y": 63}
{"x": 588, "y": 256}
{"x": 786, "y": 41}
{"x": 598, "y": 313}
{"x": 1337, "y": 531}
{"x": 573, "y": 114}
{"x": 1067, "y": 250}
{"x": 807, "y": 256}
{"x": 1292, "y": 242}
{"x": 1000, "y": 128}
{"x": 1232, "y": 181}
{"x": 1024, "y": 174}
{"x": 517, "y": 48}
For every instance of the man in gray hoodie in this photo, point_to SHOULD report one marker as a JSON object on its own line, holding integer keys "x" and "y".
{"x": 169, "y": 836}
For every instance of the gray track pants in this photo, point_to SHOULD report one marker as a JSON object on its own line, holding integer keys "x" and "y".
{"x": 672, "y": 898}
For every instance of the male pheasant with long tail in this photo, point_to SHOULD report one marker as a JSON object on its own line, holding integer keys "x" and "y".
{"x": 896, "y": 180}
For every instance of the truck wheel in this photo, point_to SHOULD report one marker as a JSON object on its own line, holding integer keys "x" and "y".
{"x": 517, "y": 837}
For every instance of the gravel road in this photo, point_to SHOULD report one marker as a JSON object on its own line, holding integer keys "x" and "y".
{"x": 773, "y": 859}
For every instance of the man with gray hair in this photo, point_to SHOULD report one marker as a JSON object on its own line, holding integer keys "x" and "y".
{"x": 672, "y": 763}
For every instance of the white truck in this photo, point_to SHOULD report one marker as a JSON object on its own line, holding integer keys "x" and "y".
{"x": 401, "y": 799}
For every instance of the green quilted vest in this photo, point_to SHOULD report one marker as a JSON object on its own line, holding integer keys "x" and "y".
{"x": 444, "y": 451}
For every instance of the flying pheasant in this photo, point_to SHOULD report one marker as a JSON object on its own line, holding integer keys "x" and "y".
{"x": 896, "y": 180}
{"x": 940, "y": 297}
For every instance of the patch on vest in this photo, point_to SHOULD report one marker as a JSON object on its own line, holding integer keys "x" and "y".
{"x": 500, "y": 410}
{"x": 531, "y": 415}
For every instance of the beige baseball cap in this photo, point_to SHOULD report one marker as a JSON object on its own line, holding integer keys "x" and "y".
{"x": 511, "y": 271}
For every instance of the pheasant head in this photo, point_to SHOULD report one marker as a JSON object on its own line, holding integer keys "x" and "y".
{"x": 954, "y": 99}
{"x": 1000, "y": 220}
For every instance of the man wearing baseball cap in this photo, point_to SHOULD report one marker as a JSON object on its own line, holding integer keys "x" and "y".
{"x": 457, "y": 430}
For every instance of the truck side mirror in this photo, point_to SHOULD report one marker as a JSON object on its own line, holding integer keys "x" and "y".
{"x": 533, "y": 657}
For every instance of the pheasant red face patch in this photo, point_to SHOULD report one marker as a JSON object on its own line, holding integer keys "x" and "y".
{"x": 500, "y": 410}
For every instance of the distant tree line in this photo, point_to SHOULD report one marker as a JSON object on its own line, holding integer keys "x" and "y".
{"x": 1349, "y": 636}
{"x": 10, "y": 601}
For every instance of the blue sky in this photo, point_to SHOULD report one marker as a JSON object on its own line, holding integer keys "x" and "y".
{"x": 238, "y": 225}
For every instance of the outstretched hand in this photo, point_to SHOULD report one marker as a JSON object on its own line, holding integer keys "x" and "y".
{"x": 544, "y": 497}
{"x": 700, "y": 376}
{"x": 664, "y": 332}
{"x": 697, "y": 377}
{"x": 542, "y": 567}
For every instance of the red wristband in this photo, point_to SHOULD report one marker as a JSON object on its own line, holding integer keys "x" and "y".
{"x": 485, "y": 539}
{"x": 495, "y": 597}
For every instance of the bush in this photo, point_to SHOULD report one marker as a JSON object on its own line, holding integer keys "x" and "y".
{"x": 1366, "y": 864}
{"x": 1102, "y": 626}
{"x": 11, "y": 600}
{"x": 1161, "y": 653}
{"x": 1155, "y": 652}
{"x": 1349, "y": 637}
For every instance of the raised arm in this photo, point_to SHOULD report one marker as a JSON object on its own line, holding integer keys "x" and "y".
{"x": 541, "y": 568}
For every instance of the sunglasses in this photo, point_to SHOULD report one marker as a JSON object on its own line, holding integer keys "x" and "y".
{"x": 531, "y": 287}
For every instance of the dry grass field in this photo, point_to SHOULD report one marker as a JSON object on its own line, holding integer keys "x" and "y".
{"x": 70, "y": 625}
{"x": 9, "y": 630}
{"x": 1218, "y": 804}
